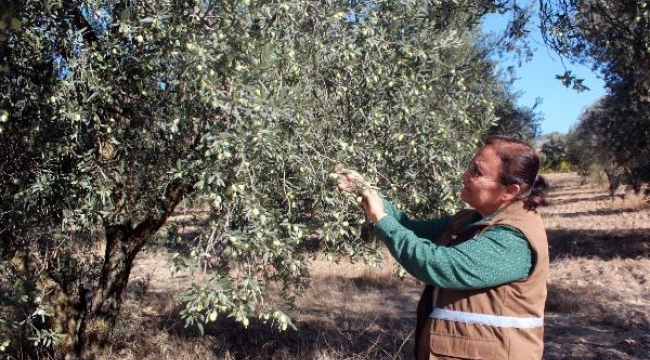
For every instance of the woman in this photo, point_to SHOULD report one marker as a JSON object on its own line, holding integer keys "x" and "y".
{"x": 485, "y": 268}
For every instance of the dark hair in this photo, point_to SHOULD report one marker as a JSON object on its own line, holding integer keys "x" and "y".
{"x": 520, "y": 164}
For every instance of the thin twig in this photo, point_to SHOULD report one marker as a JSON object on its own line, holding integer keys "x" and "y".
{"x": 403, "y": 343}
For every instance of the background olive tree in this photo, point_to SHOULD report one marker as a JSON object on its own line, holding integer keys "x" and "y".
{"x": 591, "y": 147}
{"x": 115, "y": 113}
{"x": 612, "y": 39}
{"x": 553, "y": 153}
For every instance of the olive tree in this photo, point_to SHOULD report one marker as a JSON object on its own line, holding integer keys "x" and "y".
{"x": 554, "y": 153}
{"x": 612, "y": 38}
{"x": 597, "y": 144}
{"x": 114, "y": 113}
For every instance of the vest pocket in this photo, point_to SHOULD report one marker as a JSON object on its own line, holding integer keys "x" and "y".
{"x": 461, "y": 347}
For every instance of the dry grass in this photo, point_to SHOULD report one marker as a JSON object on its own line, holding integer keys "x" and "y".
{"x": 598, "y": 305}
{"x": 352, "y": 312}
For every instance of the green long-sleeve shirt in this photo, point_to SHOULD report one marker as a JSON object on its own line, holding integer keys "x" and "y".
{"x": 502, "y": 254}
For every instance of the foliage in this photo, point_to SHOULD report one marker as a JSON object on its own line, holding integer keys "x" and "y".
{"x": 609, "y": 36}
{"x": 114, "y": 113}
{"x": 554, "y": 156}
{"x": 514, "y": 120}
{"x": 612, "y": 38}
{"x": 598, "y": 144}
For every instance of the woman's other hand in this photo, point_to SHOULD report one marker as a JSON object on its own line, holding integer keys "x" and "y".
{"x": 349, "y": 180}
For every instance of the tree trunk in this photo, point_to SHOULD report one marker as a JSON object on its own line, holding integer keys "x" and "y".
{"x": 97, "y": 309}
{"x": 611, "y": 179}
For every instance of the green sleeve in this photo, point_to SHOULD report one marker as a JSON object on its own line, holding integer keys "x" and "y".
{"x": 427, "y": 229}
{"x": 502, "y": 254}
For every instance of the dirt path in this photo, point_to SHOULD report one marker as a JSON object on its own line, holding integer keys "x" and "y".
{"x": 599, "y": 288}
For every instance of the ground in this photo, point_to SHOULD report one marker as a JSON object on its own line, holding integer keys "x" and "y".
{"x": 598, "y": 303}
{"x": 599, "y": 293}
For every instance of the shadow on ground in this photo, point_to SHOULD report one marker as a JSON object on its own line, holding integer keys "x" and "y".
{"x": 581, "y": 324}
{"x": 333, "y": 331}
{"x": 576, "y": 199}
{"x": 574, "y": 190}
{"x": 591, "y": 318}
{"x": 568, "y": 337}
{"x": 603, "y": 244}
{"x": 596, "y": 213}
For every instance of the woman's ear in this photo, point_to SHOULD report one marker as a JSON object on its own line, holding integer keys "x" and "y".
{"x": 512, "y": 191}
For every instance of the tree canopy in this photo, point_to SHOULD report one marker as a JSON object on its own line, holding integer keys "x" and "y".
{"x": 612, "y": 38}
{"x": 113, "y": 114}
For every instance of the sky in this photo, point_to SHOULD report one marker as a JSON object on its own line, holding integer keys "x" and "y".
{"x": 561, "y": 106}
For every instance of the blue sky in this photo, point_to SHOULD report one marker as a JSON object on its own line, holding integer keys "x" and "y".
{"x": 560, "y": 106}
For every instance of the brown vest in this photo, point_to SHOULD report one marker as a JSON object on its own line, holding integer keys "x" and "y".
{"x": 448, "y": 339}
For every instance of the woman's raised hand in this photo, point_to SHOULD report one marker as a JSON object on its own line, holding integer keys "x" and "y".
{"x": 350, "y": 181}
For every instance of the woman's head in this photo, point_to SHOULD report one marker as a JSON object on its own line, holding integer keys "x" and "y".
{"x": 503, "y": 170}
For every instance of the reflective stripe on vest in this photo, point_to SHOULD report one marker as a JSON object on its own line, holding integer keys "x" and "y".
{"x": 485, "y": 319}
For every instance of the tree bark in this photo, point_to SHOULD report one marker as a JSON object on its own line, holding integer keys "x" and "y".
{"x": 97, "y": 309}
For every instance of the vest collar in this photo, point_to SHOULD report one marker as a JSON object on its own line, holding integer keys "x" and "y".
{"x": 493, "y": 217}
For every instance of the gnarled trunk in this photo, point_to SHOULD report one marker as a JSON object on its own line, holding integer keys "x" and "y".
{"x": 89, "y": 318}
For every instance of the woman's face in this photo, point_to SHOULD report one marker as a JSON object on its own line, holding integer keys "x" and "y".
{"x": 482, "y": 188}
